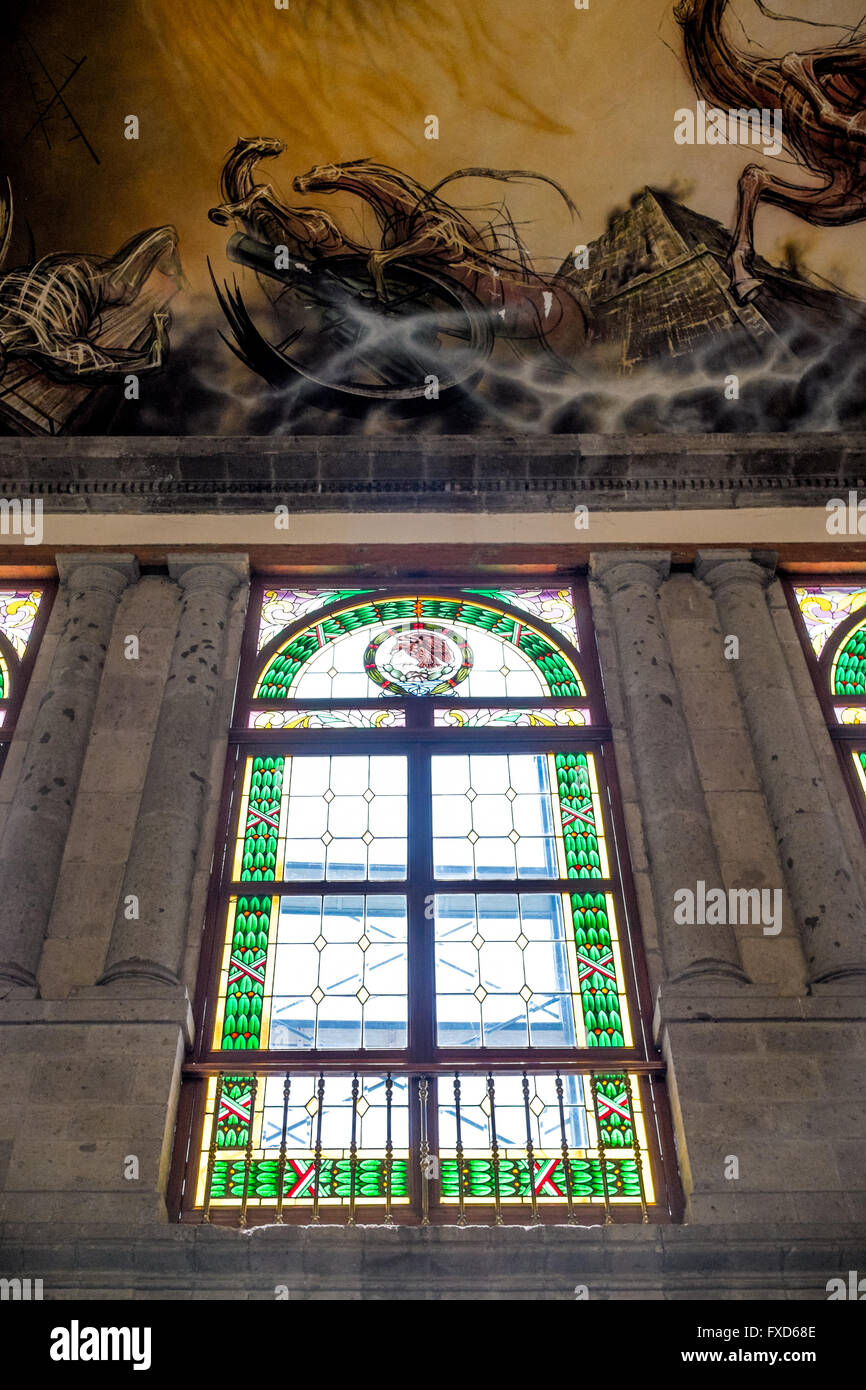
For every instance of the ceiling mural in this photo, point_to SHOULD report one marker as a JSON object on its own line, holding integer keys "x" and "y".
{"x": 275, "y": 217}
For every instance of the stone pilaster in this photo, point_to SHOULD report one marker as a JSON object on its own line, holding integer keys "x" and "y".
{"x": 35, "y": 830}
{"x": 825, "y": 895}
{"x": 159, "y": 873}
{"x": 679, "y": 839}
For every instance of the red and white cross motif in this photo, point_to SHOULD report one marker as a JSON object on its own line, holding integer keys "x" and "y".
{"x": 586, "y": 966}
{"x": 569, "y": 816}
{"x": 255, "y": 972}
{"x": 616, "y": 1106}
{"x": 239, "y": 1109}
{"x": 304, "y": 1185}
{"x": 543, "y": 1177}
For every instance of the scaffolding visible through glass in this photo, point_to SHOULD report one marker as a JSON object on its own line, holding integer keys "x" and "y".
{"x": 409, "y": 915}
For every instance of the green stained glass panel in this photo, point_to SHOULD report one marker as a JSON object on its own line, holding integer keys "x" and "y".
{"x": 848, "y": 677}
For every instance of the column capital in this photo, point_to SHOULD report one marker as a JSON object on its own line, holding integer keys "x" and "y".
{"x": 719, "y": 567}
{"x": 97, "y": 570}
{"x": 222, "y": 571}
{"x": 617, "y": 569}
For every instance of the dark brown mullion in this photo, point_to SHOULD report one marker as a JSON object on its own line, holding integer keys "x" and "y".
{"x": 421, "y": 890}
{"x": 216, "y": 909}
{"x": 661, "y": 1143}
{"x": 469, "y": 1061}
{"x": 189, "y": 1125}
{"x": 296, "y": 702}
{"x": 277, "y": 742}
{"x": 847, "y": 752}
{"x": 848, "y": 733}
{"x": 637, "y": 986}
{"x": 437, "y": 702}
{"x": 590, "y": 666}
{"x": 248, "y": 654}
{"x": 427, "y": 888}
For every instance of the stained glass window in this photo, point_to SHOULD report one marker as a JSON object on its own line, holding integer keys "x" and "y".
{"x": 424, "y": 950}
{"x": 832, "y": 623}
{"x": 23, "y": 612}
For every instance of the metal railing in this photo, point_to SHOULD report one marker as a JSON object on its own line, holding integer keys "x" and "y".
{"x": 463, "y": 1146}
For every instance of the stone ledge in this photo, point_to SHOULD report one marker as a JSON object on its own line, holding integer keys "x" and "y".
{"x": 460, "y": 472}
{"x": 757, "y": 1005}
{"x": 437, "y": 1262}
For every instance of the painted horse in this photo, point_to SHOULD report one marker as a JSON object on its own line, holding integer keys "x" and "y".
{"x": 822, "y": 97}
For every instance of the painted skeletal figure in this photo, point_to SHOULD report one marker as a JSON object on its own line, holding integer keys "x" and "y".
{"x": 50, "y": 311}
{"x": 822, "y": 97}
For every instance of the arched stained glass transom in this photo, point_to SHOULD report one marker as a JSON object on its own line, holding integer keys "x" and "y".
{"x": 424, "y": 996}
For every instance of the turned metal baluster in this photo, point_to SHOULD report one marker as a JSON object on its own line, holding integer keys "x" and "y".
{"x": 425, "y": 1154}
{"x": 461, "y": 1194}
{"x": 248, "y": 1155}
{"x": 608, "y": 1219}
{"x": 637, "y": 1153}
{"x": 212, "y": 1147}
{"x": 566, "y": 1160}
{"x": 530, "y": 1152}
{"x": 281, "y": 1166}
{"x": 389, "y": 1151}
{"x": 320, "y": 1105}
{"x": 494, "y": 1148}
{"x": 353, "y": 1151}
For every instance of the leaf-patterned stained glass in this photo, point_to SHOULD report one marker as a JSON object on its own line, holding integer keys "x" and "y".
{"x": 824, "y": 607}
{"x": 327, "y": 719}
{"x": 18, "y": 612}
{"x": 19, "y": 608}
{"x": 544, "y": 717}
{"x": 266, "y": 1140}
{"x": 553, "y": 606}
{"x": 848, "y": 675}
{"x": 281, "y": 608}
{"x": 497, "y": 1121}
{"x": 279, "y": 1143}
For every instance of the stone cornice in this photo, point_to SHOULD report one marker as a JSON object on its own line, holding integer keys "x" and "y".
{"x": 462, "y": 473}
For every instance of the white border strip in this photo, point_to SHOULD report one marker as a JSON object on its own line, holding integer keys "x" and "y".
{"x": 753, "y": 526}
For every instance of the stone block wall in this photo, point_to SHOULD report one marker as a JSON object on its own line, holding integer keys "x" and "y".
{"x": 764, "y": 1057}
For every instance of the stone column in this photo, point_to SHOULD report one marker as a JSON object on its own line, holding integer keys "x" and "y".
{"x": 680, "y": 844}
{"x": 826, "y": 900}
{"x": 165, "y": 842}
{"x": 34, "y": 834}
